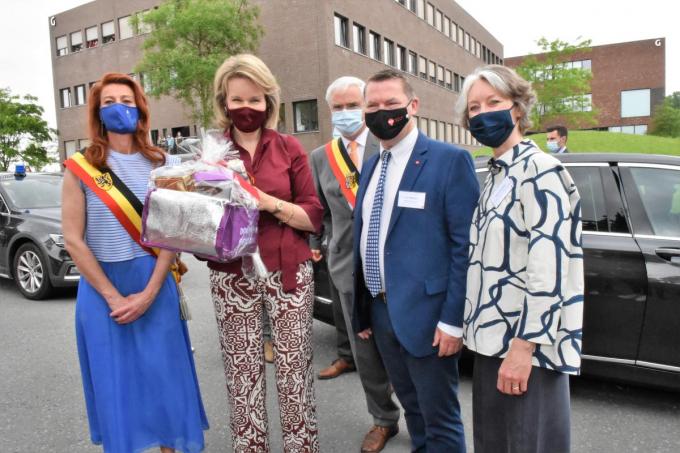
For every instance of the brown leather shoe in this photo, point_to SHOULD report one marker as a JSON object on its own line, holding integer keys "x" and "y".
{"x": 377, "y": 437}
{"x": 338, "y": 367}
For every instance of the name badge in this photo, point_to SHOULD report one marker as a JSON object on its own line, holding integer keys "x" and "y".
{"x": 414, "y": 200}
{"x": 501, "y": 191}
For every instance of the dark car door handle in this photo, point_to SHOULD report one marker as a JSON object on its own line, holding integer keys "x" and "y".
{"x": 670, "y": 254}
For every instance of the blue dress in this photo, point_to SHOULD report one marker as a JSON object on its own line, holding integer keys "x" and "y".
{"x": 139, "y": 379}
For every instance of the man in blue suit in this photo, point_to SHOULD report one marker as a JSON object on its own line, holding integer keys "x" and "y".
{"x": 411, "y": 234}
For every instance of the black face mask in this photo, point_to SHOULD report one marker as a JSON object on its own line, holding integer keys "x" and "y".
{"x": 386, "y": 124}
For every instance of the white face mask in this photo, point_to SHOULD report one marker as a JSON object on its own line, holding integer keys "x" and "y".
{"x": 553, "y": 146}
{"x": 347, "y": 122}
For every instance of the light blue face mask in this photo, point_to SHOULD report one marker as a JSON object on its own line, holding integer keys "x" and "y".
{"x": 553, "y": 146}
{"x": 347, "y": 122}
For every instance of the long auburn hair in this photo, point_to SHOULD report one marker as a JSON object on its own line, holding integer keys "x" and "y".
{"x": 98, "y": 150}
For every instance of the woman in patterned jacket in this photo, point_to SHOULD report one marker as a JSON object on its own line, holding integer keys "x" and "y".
{"x": 524, "y": 303}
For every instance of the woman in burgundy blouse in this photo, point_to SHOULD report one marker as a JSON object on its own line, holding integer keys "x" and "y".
{"x": 247, "y": 107}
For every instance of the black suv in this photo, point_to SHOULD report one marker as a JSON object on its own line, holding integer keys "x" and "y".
{"x": 31, "y": 243}
{"x": 631, "y": 243}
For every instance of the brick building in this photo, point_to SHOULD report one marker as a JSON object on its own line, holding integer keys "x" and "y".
{"x": 307, "y": 44}
{"x": 629, "y": 81}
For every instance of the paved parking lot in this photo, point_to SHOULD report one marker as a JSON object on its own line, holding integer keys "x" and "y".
{"x": 42, "y": 409}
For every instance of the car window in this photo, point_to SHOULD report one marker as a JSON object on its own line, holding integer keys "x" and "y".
{"x": 659, "y": 191}
{"x": 3, "y": 207}
{"x": 593, "y": 208}
{"x": 34, "y": 192}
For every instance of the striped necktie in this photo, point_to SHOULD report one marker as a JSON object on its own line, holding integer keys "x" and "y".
{"x": 373, "y": 237}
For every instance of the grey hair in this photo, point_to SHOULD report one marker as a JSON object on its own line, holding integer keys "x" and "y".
{"x": 343, "y": 83}
{"x": 507, "y": 83}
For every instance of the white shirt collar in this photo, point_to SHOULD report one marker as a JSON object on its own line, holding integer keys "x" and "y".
{"x": 403, "y": 149}
{"x": 361, "y": 139}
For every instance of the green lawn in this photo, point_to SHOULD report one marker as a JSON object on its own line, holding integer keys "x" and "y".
{"x": 609, "y": 142}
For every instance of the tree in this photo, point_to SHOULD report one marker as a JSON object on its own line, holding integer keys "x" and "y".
{"x": 562, "y": 89}
{"x": 188, "y": 41}
{"x": 23, "y": 131}
{"x": 666, "y": 119}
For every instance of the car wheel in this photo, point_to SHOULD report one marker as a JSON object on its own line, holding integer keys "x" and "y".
{"x": 30, "y": 272}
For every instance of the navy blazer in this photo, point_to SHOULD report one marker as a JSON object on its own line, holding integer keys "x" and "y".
{"x": 426, "y": 250}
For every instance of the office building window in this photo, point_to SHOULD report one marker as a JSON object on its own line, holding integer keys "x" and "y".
{"x": 413, "y": 6}
{"x": 306, "y": 116}
{"x": 388, "y": 52}
{"x": 85, "y": 142}
{"x": 438, "y": 22}
{"x": 479, "y": 50}
{"x": 108, "y": 32}
{"x": 91, "y": 37}
{"x": 430, "y": 14}
{"x": 125, "y": 28}
{"x": 447, "y": 26}
{"x": 456, "y": 134}
{"x": 441, "y": 132}
{"x": 401, "y": 58}
{"x": 374, "y": 46}
{"x": 432, "y": 71}
{"x": 461, "y": 36}
{"x": 65, "y": 97}
{"x": 62, "y": 46}
{"x": 448, "y": 77}
{"x": 433, "y": 129}
{"x": 421, "y": 9}
{"x": 69, "y": 148}
{"x": 440, "y": 75}
{"x": 422, "y": 124}
{"x": 467, "y": 41}
{"x": 449, "y": 133}
{"x": 341, "y": 31}
{"x": 454, "y": 32}
{"x": 422, "y": 67}
{"x": 635, "y": 103}
{"x": 143, "y": 27}
{"x": 456, "y": 82}
{"x": 413, "y": 63}
{"x": 359, "y": 39}
{"x": 80, "y": 94}
{"x": 76, "y": 41}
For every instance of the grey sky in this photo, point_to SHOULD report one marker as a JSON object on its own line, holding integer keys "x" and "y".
{"x": 25, "y": 61}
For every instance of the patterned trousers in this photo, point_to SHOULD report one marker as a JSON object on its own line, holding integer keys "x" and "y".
{"x": 239, "y": 304}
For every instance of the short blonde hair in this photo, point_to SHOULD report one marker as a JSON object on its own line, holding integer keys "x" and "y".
{"x": 506, "y": 82}
{"x": 252, "y": 68}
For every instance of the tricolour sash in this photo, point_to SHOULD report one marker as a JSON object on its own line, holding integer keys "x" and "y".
{"x": 344, "y": 170}
{"x": 124, "y": 205}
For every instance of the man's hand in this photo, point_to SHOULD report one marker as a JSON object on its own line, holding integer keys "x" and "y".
{"x": 448, "y": 345}
{"x": 513, "y": 375}
{"x": 365, "y": 334}
{"x": 316, "y": 255}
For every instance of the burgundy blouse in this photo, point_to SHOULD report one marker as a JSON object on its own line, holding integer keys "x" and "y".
{"x": 280, "y": 168}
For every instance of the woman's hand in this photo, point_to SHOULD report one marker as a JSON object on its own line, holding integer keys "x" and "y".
{"x": 133, "y": 308}
{"x": 267, "y": 202}
{"x": 513, "y": 375}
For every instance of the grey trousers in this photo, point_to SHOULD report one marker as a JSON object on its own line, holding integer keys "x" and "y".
{"x": 536, "y": 422}
{"x": 344, "y": 346}
{"x": 371, "y": 371}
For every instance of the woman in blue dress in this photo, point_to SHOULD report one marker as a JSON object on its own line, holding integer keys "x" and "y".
{"x": 139, "y": 378}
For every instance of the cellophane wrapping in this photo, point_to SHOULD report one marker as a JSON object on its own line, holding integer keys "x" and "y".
{"x": 205, "y": 206}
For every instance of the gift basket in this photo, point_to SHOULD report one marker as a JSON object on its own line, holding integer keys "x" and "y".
{"x": 205, "y": 206}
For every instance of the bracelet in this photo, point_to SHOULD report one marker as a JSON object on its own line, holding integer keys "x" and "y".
{"x": 292, "y": 213}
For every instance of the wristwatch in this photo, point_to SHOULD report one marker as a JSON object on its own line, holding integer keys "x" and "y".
{"x": 278, "y": 206}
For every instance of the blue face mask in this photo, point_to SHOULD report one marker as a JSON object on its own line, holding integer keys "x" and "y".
{"x": 347, "y": 122}
{"x": 119, "y": 118}
{"x": 492, "y": 128}
{"x": 553, "y": 146}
